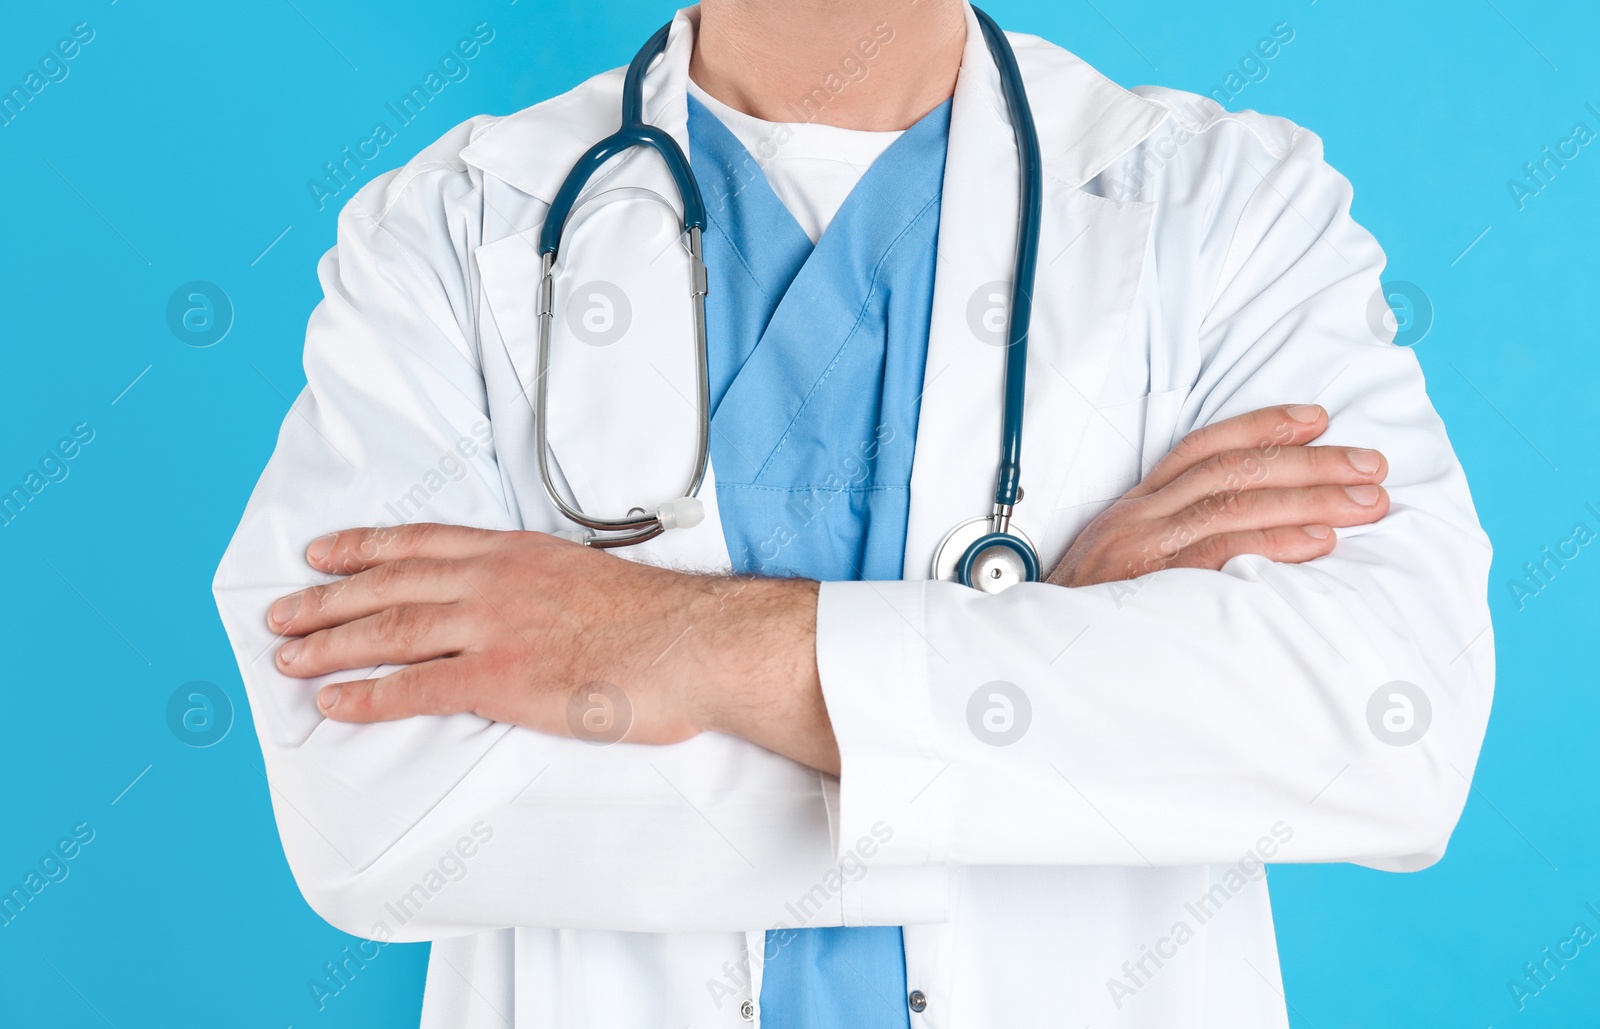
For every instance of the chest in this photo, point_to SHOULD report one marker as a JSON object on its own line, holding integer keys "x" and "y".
{"x": 623, "y": 422}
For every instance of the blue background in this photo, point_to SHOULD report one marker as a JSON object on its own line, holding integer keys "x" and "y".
{"x": 179, "y": 148}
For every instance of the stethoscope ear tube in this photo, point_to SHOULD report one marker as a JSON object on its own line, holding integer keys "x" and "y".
{"x": 685, "y": 511}
{"x": 634, "y": 132}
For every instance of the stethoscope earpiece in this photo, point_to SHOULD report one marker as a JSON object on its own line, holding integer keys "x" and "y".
{"x": 683, "y": 513}
{"x": 638, "y": 526}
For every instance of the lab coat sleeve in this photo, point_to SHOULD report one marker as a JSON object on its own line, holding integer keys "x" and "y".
{"x": 437, "y": 826}
{"x": 1189, "y": 716}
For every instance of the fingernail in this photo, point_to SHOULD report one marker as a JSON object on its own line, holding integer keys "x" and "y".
{"x": 1365, "y": 461}
{"x": 321, "y": 547}
{"x": 289, "y": 651}
{"x": 328, "y": 696}
{"x": 1306, "y": 413}
{"x": 283, "y": 609}
{"x": 1366, "y": 496}
{"x": 1317, "y": 532}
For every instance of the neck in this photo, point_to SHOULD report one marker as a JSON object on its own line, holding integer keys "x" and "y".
{"x": 878, "y": 65}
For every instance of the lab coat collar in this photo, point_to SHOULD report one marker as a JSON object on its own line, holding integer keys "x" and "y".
{"x": 1085, "y": 120}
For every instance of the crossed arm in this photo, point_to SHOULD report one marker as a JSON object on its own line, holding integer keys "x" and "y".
{"x": 1174, "y": 718}
{"x": 520, "y": 627}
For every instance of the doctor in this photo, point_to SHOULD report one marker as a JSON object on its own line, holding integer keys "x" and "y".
{"x": 767, "y": 768}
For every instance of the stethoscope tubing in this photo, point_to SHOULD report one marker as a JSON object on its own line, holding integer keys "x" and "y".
{"x": 635, "y": 132}
{"x": 1009, "y": 478}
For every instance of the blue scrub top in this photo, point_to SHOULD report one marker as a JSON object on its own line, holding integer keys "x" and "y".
{"x": 816, "y": 358}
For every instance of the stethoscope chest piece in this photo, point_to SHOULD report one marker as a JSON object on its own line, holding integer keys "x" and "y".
{"x": 988, "y": 561}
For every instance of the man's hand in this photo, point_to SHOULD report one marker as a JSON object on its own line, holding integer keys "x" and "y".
{"x": 523, "y": 627}
{"x": 1247, "y": 485}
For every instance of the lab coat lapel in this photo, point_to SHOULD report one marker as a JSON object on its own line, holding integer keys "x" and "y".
{"x": 1091, "y": 256}
{"x": 622, "y": 390}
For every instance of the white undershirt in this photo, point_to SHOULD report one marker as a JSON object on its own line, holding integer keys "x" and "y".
{"x": 811, "y": 167}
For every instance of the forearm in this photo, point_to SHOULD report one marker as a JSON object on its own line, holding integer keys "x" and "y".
{"x": 1177, "y": 718}
{"x": 759, "y": 682}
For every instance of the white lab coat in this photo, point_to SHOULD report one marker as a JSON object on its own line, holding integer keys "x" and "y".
{"x": 1104, "y": 868}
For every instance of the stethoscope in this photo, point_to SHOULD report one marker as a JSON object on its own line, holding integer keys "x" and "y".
{"x": 987, "y": 553}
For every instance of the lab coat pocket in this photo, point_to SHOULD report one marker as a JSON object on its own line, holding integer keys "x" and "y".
{"x": 1120, "y": 444}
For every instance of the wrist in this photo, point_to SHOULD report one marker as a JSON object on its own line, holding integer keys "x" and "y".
{"x": 753, "y": 667}
{"x": 745, "y": 633}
